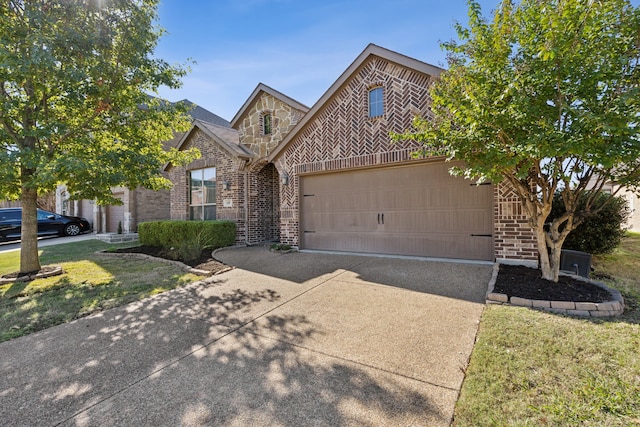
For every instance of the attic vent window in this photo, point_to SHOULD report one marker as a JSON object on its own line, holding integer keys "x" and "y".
{"x": 266, "y": 124}
{"x": 376, "y": 103}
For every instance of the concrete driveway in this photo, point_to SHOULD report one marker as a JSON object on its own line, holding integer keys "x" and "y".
{"x": 282, "y": 340}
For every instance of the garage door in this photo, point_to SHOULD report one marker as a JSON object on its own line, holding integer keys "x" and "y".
{"x": 416, "y": 210}
{"x": 115, "y": 215}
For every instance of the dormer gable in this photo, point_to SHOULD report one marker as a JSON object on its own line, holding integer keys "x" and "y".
{"x": 266, "y": 118}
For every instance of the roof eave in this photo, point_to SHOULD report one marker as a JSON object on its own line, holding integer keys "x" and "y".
{"x": 240, "y": 153}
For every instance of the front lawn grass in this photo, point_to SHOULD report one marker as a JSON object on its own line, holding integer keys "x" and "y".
{"x": 91, "y": 283}
{"x": 530, "y": 368}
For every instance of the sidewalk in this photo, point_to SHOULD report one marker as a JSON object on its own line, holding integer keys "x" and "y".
{"x": 47, "y": 241}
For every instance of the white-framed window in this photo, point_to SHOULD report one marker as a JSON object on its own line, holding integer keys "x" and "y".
{"x": 376, "y": 102}
{"x": 202, "y": 194}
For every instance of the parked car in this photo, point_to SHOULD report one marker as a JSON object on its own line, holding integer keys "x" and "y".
{"x": 49, "y": 224}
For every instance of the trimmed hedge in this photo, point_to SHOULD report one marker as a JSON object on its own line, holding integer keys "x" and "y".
{"x": 174, "y": 234}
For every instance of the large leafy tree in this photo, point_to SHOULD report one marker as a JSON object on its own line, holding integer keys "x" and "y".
{"x": 75, "y": 79}
{"x": 544, "y": 96}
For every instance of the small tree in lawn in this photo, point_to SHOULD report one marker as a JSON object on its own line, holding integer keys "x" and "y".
{"x": 74, "y": 105}
{"x": 544, "y": 96}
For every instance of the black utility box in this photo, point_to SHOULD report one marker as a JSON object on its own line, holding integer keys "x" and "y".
{"x": 575, "y": 262}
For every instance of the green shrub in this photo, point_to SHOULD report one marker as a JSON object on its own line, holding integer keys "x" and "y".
{"x": 599, "y": 233}
{"x": 187, "y": 236}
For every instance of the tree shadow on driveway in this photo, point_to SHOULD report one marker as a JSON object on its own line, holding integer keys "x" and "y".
{"x": 196, "y": 356}
{"x": 246, "y": 378}
{"x": 458, "y": 280}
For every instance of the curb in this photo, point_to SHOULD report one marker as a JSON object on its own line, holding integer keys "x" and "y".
{"x": 614, "y": 307}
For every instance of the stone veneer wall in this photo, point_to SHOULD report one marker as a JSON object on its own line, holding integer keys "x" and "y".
{"x": 514, "y": 240}
{"x": 342, "y": 136}
{"x": 228, "y": 168}
{"x": 283, "y": 118}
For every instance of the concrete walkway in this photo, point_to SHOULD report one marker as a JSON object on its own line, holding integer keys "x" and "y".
{"x": 47, "y": 241}
{"x": 282, "y": 340}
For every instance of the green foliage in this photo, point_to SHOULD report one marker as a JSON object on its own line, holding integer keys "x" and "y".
{"x": 187, "y": 236}
{"x": 546, "y": 96}
{"x": 75, "y": 105}
{"x": 281, "y": 247}
{"x": 600, "y": 232}
{"x": 75, "y": 79}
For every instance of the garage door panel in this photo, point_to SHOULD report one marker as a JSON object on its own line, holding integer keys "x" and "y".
{"x": 426, "y": 212}
{"x": 456, "y": 222}
{"x": 442, "y": 245}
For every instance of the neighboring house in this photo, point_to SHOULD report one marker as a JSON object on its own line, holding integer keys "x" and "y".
{"x": 633, "y": 201}
{"x": 329, "y": 177}
{"x": 138, "y": 205}
{"x": 46, "y": 202}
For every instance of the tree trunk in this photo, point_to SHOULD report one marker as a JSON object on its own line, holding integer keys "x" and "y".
{"x": 29, "y": 260}
{"x": 549, "y": 262}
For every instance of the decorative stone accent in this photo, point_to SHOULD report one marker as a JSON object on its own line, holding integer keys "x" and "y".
{"x": 283, "y": 118}
{"x": 117, "y": 238}
{"x": 615, "y": 307}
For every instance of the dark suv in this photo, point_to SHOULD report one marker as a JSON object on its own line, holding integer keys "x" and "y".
{"x": 49, "y": 224}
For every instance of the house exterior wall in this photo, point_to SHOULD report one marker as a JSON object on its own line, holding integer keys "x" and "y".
{"x": 284, "y": 118}
{"x": 264, "y": 207}
{"x": 514, "y": 239}
{"x": 229, "y": 203}
{"x": 342, "y": 136}
{"x": 149, "y": 205}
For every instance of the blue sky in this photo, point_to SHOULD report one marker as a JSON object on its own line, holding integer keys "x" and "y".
{"x": 298, "y": 47}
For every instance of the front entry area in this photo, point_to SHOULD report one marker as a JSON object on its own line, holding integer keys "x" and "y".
{"x": 418, "y": 210}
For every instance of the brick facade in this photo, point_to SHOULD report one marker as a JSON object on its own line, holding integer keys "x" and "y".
{"x": 337, "y": 134}
{"x": 514, "y": 239}
{"x": 229, "y": 202}
{"x": 342, "y": 136}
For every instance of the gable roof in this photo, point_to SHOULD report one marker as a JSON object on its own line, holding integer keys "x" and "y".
{"x": 370, "y": 50}
{"x": 266, "y": 89}
{"x": 199, "y": 113}
{"x": 227, "y": 138}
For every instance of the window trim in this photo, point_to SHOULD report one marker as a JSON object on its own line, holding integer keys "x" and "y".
{"x": 375, "y": 103}
{"x": 203, "y": 204}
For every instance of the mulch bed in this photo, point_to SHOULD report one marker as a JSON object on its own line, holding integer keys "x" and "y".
{"x": 204, "y": 262}
{"x": 525, "y": 282}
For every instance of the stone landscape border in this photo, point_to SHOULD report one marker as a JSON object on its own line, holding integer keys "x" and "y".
{"x": 614, "y": 307}
{"x": 56, "y": 271}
